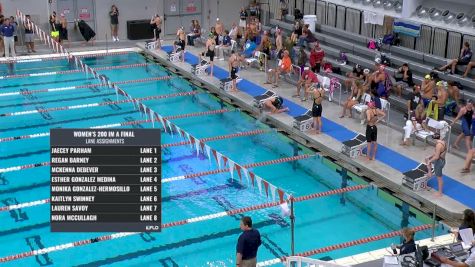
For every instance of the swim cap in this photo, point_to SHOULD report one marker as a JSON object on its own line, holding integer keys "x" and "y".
{"x": 439, "y": 83}
{"x": 427, "y": 77}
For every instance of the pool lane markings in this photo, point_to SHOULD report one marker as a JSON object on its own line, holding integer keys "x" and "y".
{"x": 196, "y": 114}
{"x": 170, "y": 179}
{"x": 51, "y": 73}
{"x": 85, "y": 86}
{"x": 52, "y": 57}
{"x": 97, "y": 104}
{"x": 119, "y": 124}
{"x": 207, "y": 217}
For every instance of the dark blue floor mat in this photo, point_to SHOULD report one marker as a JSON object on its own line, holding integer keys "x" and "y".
{"x": 452, "y": 188}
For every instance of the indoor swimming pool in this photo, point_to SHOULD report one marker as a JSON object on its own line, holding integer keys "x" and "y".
{"x": 37, "y": 96}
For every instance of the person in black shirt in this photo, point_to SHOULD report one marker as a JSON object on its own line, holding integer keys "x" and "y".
{"x": 248, "y": 243}
{"x": 403, "y": 78}
{"x": 356, "y": 75}
{"x": 114, "y": 15}
{"x": 413, "y": 99}
{"x": 468, "y": 221}
{"x": 408, "y": 245}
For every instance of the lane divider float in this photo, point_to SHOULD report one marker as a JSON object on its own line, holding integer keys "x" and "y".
{"x": 221, "y": 137}
{"x": 168, "y": 225}
{"x": 50, "y": 73}
{"x": 67, "y": 88}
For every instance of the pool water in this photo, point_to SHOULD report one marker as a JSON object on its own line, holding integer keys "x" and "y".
{"x": 319, "y": 222}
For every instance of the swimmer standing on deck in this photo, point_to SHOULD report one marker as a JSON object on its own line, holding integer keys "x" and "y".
{"x": 234, "y": 62}
{"x": 372, "y": 116}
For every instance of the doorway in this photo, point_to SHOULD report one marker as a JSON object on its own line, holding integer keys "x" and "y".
{"x": 77, "y": 10}
{"x": 179, "y": 13}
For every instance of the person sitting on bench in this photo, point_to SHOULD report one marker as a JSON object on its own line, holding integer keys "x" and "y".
{"x": 285, "y": 67}
{"x": 463, "y": 59}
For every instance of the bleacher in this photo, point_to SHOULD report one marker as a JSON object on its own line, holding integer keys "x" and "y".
{"x": 333, "y": 41}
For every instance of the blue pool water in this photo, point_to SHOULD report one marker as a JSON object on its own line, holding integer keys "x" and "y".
{"x": 319, "y": 222}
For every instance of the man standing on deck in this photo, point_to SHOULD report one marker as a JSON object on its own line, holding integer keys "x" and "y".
{"x": 248, "y": 243}
{"x": 234, "y": 62}
{"x": 372, "y": 117}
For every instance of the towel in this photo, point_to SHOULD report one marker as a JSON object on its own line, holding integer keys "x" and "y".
{"x": 373, "y": 18}
{"x": 86, "y": 30}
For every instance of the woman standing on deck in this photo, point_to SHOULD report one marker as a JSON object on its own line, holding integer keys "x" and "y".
{"x": 114, "y": 15}
{"x": 63, "y": 30}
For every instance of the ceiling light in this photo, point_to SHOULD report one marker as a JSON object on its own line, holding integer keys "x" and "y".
{"x": 435, "y": 14}
{"x": 448, "y": 16}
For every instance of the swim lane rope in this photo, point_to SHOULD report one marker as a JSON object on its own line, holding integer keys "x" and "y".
{"x": 173, "y": 224}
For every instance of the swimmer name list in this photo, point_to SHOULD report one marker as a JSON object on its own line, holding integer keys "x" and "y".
{"x": 105, "y": 180}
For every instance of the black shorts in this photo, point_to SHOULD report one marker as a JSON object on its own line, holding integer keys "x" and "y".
{"x": 209, "y": 54}
{"x": 157, "y": 33}
{"x": 463, "y": 62}
{"x": 233, "y": 73}
{"x": 317, "y": 67}
{"x": 181, "y": 44}
{"x": 371, "y": 133}
{"x": 316, "y": 110}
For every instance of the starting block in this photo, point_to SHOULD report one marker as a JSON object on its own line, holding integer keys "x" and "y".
{"x": 150, "y": 45}
{"x": 226, "y": 84}
{"x": 260, "y": 99}
{"x": 303, "y": 122}
{"x": 176, "y": 56}
{"x": 354, "y": 147}
{"x": 200, "y": 69}
{"x": 416, "y": 179}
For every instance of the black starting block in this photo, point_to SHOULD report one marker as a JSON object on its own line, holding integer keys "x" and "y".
{"x": 260, "y": 99}
{"x": 416, "y": 179}
{"x": 226, "y": 84}
{"x": 175, "y": 56}
{"x": 303, "y": 122}
{"x": 152, "y": 44}
{"x": 354, "y": 147}
{"x": 200, "y": 69}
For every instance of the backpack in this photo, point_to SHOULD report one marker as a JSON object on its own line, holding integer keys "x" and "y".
{"x": 385, "y": 59}
{"x": 389, "y": 39}
{"x": 372, "y": 44}
{"x": 343, "y": 58}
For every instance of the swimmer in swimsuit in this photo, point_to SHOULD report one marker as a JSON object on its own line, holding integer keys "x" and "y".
{"x": 234, "y": 61}
{"x": 318, "y": 94}
{"x": 372, "y": 117}
{"x": 438, "y": 159}
{"x": 275, "y": 104}
{"x": 210, "y": 47}
{"x": 180, "y": 42}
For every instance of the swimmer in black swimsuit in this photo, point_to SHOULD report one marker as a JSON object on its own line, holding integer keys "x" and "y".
{"x": 318, "y": 94}
{"x": 210, "y": 47}
{"x": 180, "y": 42}
{"x": 234, "y": 61}
{"x": 372, "y": 116}
{"x": 275, "y": 104}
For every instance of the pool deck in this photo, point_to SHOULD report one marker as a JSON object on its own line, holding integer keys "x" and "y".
{"x": 382, "y": 174}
